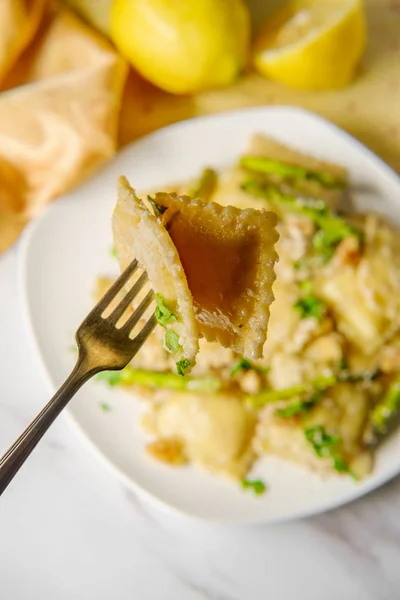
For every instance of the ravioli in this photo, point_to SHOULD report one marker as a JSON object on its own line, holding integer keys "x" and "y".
{"x": 218, "y": 261}
{"x": 140, "y": 234}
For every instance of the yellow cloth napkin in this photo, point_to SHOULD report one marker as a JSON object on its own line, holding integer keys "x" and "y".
{"x": 61, "y": 88}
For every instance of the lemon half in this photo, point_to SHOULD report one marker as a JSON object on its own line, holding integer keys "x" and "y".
{"x": 313, "y": 44}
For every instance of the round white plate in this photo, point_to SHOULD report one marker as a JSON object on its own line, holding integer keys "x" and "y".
{"x": 64, "y": 251}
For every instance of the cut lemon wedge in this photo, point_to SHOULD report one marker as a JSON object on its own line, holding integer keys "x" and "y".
{"x": 313, "y": 44}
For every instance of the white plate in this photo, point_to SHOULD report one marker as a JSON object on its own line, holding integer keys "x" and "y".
{"x": 68, "y": 247}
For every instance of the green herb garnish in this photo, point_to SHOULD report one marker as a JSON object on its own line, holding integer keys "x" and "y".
{"x": 321, "y": 441}
{"x": 182, "y": 365}
{"x": 158, "y": 209}
{"x": 113, "y": 252}
{"x": 244, "y": 364}
{"x": 325, "y": 446}
{"x": 162, "y": 313}
{"x": 256, "y": 485}
{"x": 267, "y": 166}
{"x": 310, "y": 306}
{"x": 172, "y": 341}
{"x": 105, "y": 407}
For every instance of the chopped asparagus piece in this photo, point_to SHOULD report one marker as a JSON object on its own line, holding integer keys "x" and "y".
{"x": 331, "y": 228}
{"x": 271, "y": 396}
{"x": 206, "y": 185}
{"x": 158, "y": 379}
{"x": 268, "y": 166}
{"x": 298, "y": 408}
{"x": 387, "y": 408}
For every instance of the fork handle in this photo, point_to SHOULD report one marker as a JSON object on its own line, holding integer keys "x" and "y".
{"x": 16, "y": 455}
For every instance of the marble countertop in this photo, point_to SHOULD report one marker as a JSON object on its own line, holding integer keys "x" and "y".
{"x": 69, "y": 531}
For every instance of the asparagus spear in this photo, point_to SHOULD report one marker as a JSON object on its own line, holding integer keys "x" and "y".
{"x": 269, "y": 166}
{"x": 206, "y": 185}
{"x": 158, "y": 379}
{"x": 299, "y": 408}
{"x": 386, "y": 409}
{"x": 331, "y": 228}
{"x": 271, "y": 396}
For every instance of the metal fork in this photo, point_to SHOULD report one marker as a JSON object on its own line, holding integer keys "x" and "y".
{"x": 101, "y": 347}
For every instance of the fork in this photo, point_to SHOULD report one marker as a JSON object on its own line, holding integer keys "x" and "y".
{"x": 102, "y": 346}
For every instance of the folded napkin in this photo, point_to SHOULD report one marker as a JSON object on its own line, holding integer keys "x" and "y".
{"x": 61, "y": 88}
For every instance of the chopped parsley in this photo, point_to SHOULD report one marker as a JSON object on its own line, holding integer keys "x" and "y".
{"x": 182, "y": 365}
{"x": 325, "y": 446}
{"x": 244, "y": 364}
{"x": 113, "y": 253}
{"x": 321, "y": 441}
{"x": 158, "y": 209}
{"x": 340, "y": 465}
{"x": 310, "y": 306}
{"x": 162, "y": 313}
{"x": 172, "y": 341}
{"x": 105, "y": 407}
{"x": 164, "y": 317}
{"x": 256, "y": 485}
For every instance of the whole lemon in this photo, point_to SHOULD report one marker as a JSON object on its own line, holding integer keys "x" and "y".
{"x": 183, "y": 46}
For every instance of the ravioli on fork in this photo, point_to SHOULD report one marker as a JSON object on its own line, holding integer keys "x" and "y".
{"x": 211, "y": 267}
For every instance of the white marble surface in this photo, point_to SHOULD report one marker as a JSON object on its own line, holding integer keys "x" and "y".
{"x": 69, "y": 531}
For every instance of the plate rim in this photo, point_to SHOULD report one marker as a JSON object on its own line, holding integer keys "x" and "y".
{"x": 27, "y": 317}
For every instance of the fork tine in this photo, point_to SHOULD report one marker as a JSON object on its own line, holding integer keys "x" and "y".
{"x": 116, "y": 287}
{"x": 145, "y": 332}
{"x": 139, "y": 312}
{"x": 126, "y": 300}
